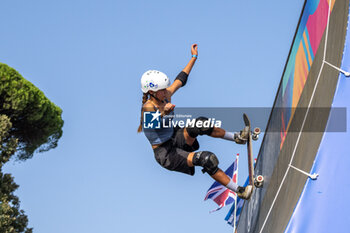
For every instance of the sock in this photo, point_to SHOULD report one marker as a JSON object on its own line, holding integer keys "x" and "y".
{"x": 229, "y": 136}
{"x": 232, "y": 186}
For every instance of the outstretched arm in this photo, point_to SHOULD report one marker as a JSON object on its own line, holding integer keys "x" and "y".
{"x": 181, "y": 79}
{"x": 194, "y": 51}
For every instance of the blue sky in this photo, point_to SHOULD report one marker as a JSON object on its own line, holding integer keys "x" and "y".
{"x": 88, "y": 57}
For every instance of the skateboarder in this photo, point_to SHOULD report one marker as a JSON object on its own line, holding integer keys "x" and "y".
{"x": 174, "y": 148}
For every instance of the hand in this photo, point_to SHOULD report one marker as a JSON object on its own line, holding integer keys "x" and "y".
{"x": 169, "y": 107}
{"x": 194, "y": 49}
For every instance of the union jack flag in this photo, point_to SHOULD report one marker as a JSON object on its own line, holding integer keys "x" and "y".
{"x": 233, "y": 215}
{"x": 219, "y": 193}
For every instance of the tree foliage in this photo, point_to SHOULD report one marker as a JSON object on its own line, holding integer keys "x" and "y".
{"x": 36, "y": 121}
{"x": 12, "y": 219}
{"x": 29, "y": 122}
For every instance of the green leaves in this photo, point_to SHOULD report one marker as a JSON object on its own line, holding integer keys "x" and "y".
{"x": 29, "y": 122}
{"x": 12, "y": 219}
{"x": 36, "y": 121}
{"x": 8, "y": 144}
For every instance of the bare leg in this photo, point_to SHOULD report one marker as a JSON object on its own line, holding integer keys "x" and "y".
{"x": 218, "y": 133}
{"x": 231, "y": 136}
{"x": 221, "y": 177}
{"x": 189, "y": 159}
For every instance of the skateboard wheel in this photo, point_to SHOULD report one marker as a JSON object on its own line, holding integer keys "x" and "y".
{"x": 259, "y": 181}
{"x": 260, "y": 178}
{"x": 257, "y": 131}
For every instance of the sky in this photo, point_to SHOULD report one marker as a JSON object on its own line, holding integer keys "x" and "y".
{"x": 88, "y": 58}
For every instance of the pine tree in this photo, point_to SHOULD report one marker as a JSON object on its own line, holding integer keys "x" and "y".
{"x": 36, "y": 121}
{"x": 29, "y": 122}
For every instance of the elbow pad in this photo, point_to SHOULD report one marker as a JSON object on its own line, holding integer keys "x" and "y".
{"x": 182, "y": 76}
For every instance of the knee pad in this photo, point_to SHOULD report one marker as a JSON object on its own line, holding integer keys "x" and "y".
{"x": 207, "y": 160}
{"x": 203, "y": 129}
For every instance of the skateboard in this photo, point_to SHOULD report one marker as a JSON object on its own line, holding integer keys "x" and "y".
{"x": 249, "y": 135}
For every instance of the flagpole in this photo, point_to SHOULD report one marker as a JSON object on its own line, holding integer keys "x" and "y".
{"x": 235, "y": 212}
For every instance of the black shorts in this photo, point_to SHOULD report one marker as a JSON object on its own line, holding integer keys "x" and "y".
{"x": 173, "y": 153}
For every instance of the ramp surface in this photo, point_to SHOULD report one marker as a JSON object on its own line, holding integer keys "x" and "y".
{"x": 298, "y": 121}
{"x": 323, "y": 205}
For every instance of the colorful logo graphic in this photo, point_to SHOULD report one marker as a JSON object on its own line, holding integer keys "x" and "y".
{"x": 151, "y": 85}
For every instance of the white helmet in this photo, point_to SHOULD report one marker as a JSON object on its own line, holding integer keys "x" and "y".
{"x": 154, "y": 80}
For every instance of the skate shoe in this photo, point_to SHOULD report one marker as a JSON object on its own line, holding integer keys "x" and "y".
{"x": 245, "y": 192}
{"x": 241, "y": 137}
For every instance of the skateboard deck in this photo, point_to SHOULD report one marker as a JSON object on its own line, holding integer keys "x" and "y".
{"x": 249, "y": 135}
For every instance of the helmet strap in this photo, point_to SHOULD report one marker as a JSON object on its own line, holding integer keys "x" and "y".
{"x": 156, "y": 98}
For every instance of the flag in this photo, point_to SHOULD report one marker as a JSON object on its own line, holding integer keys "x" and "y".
{"x": 219, "y": 193}
{"x": 232, "y": 216}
